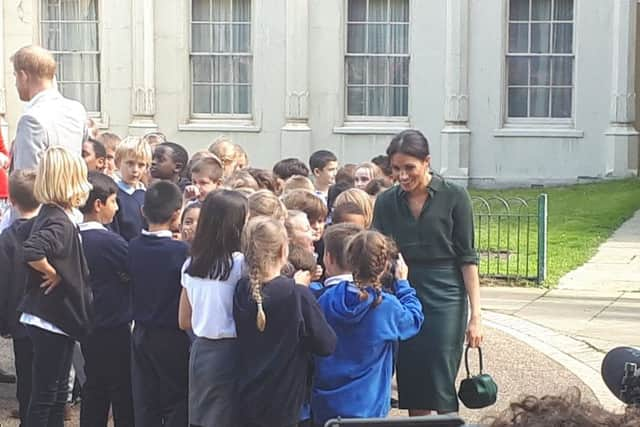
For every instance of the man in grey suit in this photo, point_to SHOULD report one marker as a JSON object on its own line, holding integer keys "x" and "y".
{"x": 48, "y": 119}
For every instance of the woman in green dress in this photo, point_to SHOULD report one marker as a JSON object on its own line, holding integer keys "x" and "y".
{"x": 431, "y": 221}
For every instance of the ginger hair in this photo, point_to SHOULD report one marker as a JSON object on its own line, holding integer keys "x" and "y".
{"x": 263, "y": 241}
{"x": 264, "y": 202}
{"x": 368, "y": 254}
{"x": 35, "y": 61}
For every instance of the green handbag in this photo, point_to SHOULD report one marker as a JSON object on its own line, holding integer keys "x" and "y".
{"x": 477, "y": 391}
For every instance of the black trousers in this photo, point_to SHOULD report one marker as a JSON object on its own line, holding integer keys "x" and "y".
{"x": 50, "y": 377}
{"x": 107, "y": 366}
{"x": 23, "y": 360}
{"x": 160, "y": 376}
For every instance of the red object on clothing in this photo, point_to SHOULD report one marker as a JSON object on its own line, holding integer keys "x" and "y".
{"x": 4, "y": 180}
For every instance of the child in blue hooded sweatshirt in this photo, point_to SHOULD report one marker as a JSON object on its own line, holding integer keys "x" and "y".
{"x": 355, "y": 381}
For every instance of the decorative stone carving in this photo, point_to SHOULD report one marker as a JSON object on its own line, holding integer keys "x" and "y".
{"x": 457, "y": 108}
{"x": 298, "y": 105}
{"x": 20, "y": 12}
{"x": 144, "y": 101}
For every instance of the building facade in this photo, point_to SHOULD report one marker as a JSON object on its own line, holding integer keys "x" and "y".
{"x": 509, "y": 92}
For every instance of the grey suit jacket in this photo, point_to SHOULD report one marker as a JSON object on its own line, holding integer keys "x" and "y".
{"x": 49, "y": 119}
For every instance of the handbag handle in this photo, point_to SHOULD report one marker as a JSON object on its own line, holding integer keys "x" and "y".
{"x": 466, "y": 360}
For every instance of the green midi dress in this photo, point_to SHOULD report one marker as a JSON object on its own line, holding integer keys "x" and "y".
{"x": 435, "y": 246}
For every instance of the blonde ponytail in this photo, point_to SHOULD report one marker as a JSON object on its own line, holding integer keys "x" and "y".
{"x": 262, "y": 242}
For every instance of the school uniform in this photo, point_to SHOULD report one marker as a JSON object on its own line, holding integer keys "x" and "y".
{"x": 12, "y": 289}
{"x": 128, "y": 221}
{"x": 319, "y": 288}
{"x": 56, "y": 320}
{"x": 160, "y": 350}
{"x": 355, "y": 381}
{"x": 107, "y": 350}
{"x": 212, "y": 363}
{"x": 274, "y": 365}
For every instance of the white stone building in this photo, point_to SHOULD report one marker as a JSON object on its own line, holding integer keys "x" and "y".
{"x": 507, "y": 91}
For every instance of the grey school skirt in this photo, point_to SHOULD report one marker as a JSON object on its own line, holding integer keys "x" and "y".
{"x": 212, "y": 378}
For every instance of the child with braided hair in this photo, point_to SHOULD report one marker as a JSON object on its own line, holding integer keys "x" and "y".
{"x": 355, "y": 382}
{"x": 280, "y": 327}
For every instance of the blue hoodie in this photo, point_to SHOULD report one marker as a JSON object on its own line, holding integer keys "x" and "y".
{"x": 355, "y": 381}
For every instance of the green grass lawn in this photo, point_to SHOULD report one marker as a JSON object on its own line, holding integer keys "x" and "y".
{"x": 580, "y": 218}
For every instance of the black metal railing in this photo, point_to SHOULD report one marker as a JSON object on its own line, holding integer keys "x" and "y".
{"x": 511, "y": 237}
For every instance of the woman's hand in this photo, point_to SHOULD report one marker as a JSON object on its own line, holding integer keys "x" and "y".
{"x": 474, "y": 332}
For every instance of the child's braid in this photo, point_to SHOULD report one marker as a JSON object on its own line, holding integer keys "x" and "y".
{"x": 368, "y": 253}
{"x": 263, "y": 239}
{"x": 256, "y": 294}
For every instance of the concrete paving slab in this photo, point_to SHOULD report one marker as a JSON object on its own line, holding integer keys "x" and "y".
{"x": 574, "y": 296}
{"x": 601, "y": 280}
{"x": 563, "y": 313}
{"x": 509, "y": 300}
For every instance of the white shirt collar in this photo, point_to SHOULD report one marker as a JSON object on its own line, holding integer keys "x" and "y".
{"x": 129, "y": 189}
{"x": 159, "y": 233}
{"x": 334, "y": 280}
{"x": 91, "y": 225}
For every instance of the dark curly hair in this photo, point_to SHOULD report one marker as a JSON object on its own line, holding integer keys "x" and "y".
{"x": 566, "y": 410}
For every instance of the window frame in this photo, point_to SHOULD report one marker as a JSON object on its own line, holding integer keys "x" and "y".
{"x": 100, "y": 117}
{"x": 538, "y": 122}
{"x": 365, "y": 121}
{"x": 203, "y": 118}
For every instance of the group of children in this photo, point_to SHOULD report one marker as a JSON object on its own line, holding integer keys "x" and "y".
{"x": 202, "y": 291}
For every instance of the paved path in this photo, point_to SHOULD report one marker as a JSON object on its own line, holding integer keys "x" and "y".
{"x": 616, "y": 265}
{"x": 595, "y": 308}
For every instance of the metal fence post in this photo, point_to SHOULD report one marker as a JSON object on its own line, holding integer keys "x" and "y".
{"x": 543, "y": 206}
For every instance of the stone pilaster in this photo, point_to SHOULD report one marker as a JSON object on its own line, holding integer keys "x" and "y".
{"x": 621, "y": 136}
{"x": 296, "y": 133}
{"x": 455, "y": 135}
{"x": 143, "y": 92}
